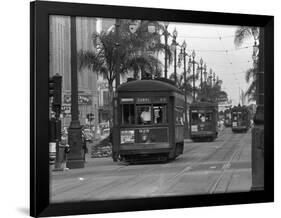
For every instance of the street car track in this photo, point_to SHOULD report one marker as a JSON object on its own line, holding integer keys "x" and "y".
{"x": 199, "y": 160}
{"x": 225, "y": 167}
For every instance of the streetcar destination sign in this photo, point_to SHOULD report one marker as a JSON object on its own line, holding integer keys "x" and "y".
{"x": 127, "y": 100}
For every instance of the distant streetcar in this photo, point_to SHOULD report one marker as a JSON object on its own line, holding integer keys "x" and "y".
{"x": 203, "y": 121}
{"x": 227, "y": 118}
{"x": 240, "y": 119}
{"x": 148, "y": 122}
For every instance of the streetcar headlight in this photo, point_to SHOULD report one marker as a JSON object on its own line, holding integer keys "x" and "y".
{"x": 127, "y": 136}
{"x": 234, "y": 124}
{"x": 194, "y": 128}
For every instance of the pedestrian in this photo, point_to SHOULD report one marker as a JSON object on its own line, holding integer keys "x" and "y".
{"x": 84, "y": 146}
{"x": 65, "y": 149}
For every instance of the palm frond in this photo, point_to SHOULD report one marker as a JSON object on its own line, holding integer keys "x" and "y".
{"x": 88, "y": 59}
{"x": 241, "y": 34}
{"x": 250, "y": 74}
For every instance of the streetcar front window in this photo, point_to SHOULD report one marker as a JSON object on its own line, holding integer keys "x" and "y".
{"x": 144, "y": 114}
{"x": 208, "y": 117}
{"x": 128, "y": 114}
{"x": 159, "y": 114}
{"x": 236, "y": 116}
{"x": 201, "y": 117}
{"x": 194, "y": 117}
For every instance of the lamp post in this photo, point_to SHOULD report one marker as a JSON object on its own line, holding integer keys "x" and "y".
{"x": 174, "y": 49}
{"x": 166, "y": 34}
{"x": 117, "y": 44}
{"x": 205, "y": 78}
{"x": 75, "y": 158}
{"x": 192, "y": 63}
{"x": 258, "y": 130}
{"x": 200, "y": 69}
{"x": 183, "y": 55}
{"x": 211, "y": 77}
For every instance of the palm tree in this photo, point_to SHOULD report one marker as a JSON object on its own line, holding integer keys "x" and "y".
{"x": 188, "y": 86}
{"x": 212, "y": 91}
{"x": 145, "y": 49}
{"x": 241, "y": 34}
{"x": 134, "y": 52}
{"x": 251, "y": 91}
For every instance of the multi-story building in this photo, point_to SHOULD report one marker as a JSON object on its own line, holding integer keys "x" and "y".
{"x": 60, "y": 64}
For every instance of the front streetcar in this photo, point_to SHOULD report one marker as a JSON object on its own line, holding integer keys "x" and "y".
{"x": 143, "y": 121}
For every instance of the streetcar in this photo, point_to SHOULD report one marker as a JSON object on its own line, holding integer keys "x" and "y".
{"x": 227, "y": 117}
{"x": 148, "y": 121}
{"x": 240, "y": 119}
{"x": 203, "y": 121}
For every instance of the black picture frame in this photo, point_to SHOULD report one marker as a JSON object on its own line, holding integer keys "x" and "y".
{"x": 39, "y": 75}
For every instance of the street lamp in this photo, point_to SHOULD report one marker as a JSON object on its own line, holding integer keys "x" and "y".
{"x": 205, "y": 78}
{"x": 166, "y": 34}
{"x": 151, "y": 27}
{"x": 214, "y": 79}
{"x": 192, "y": 63}
{"x": 174, "y": 49}
{"x": 182, "y": 56}
{"x": 200, "y": 69}
{"x": 133, "y": 25}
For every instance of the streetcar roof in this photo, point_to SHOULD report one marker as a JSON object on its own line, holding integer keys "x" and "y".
{"x": 147, "y": 86}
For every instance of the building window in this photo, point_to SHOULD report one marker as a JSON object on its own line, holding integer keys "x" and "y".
{"x": 159, "y": 114}
{"x": 105, "y": 98}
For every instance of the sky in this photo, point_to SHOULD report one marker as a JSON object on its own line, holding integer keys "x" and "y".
{"x": 215, "y": 44}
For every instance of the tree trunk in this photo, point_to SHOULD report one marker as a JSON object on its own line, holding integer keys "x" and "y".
{"x": 136, "y": 74}
{"x": 110, "y": 100}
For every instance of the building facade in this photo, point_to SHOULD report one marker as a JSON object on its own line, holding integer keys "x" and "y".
{"x": 59, "y": 60}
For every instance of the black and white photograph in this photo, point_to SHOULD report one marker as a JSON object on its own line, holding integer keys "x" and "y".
{"x": 140, "y": 108}
{"x": 145, "y": 108}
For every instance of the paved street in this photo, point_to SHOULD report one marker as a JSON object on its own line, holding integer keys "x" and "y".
{"x": 205, "y": 167}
